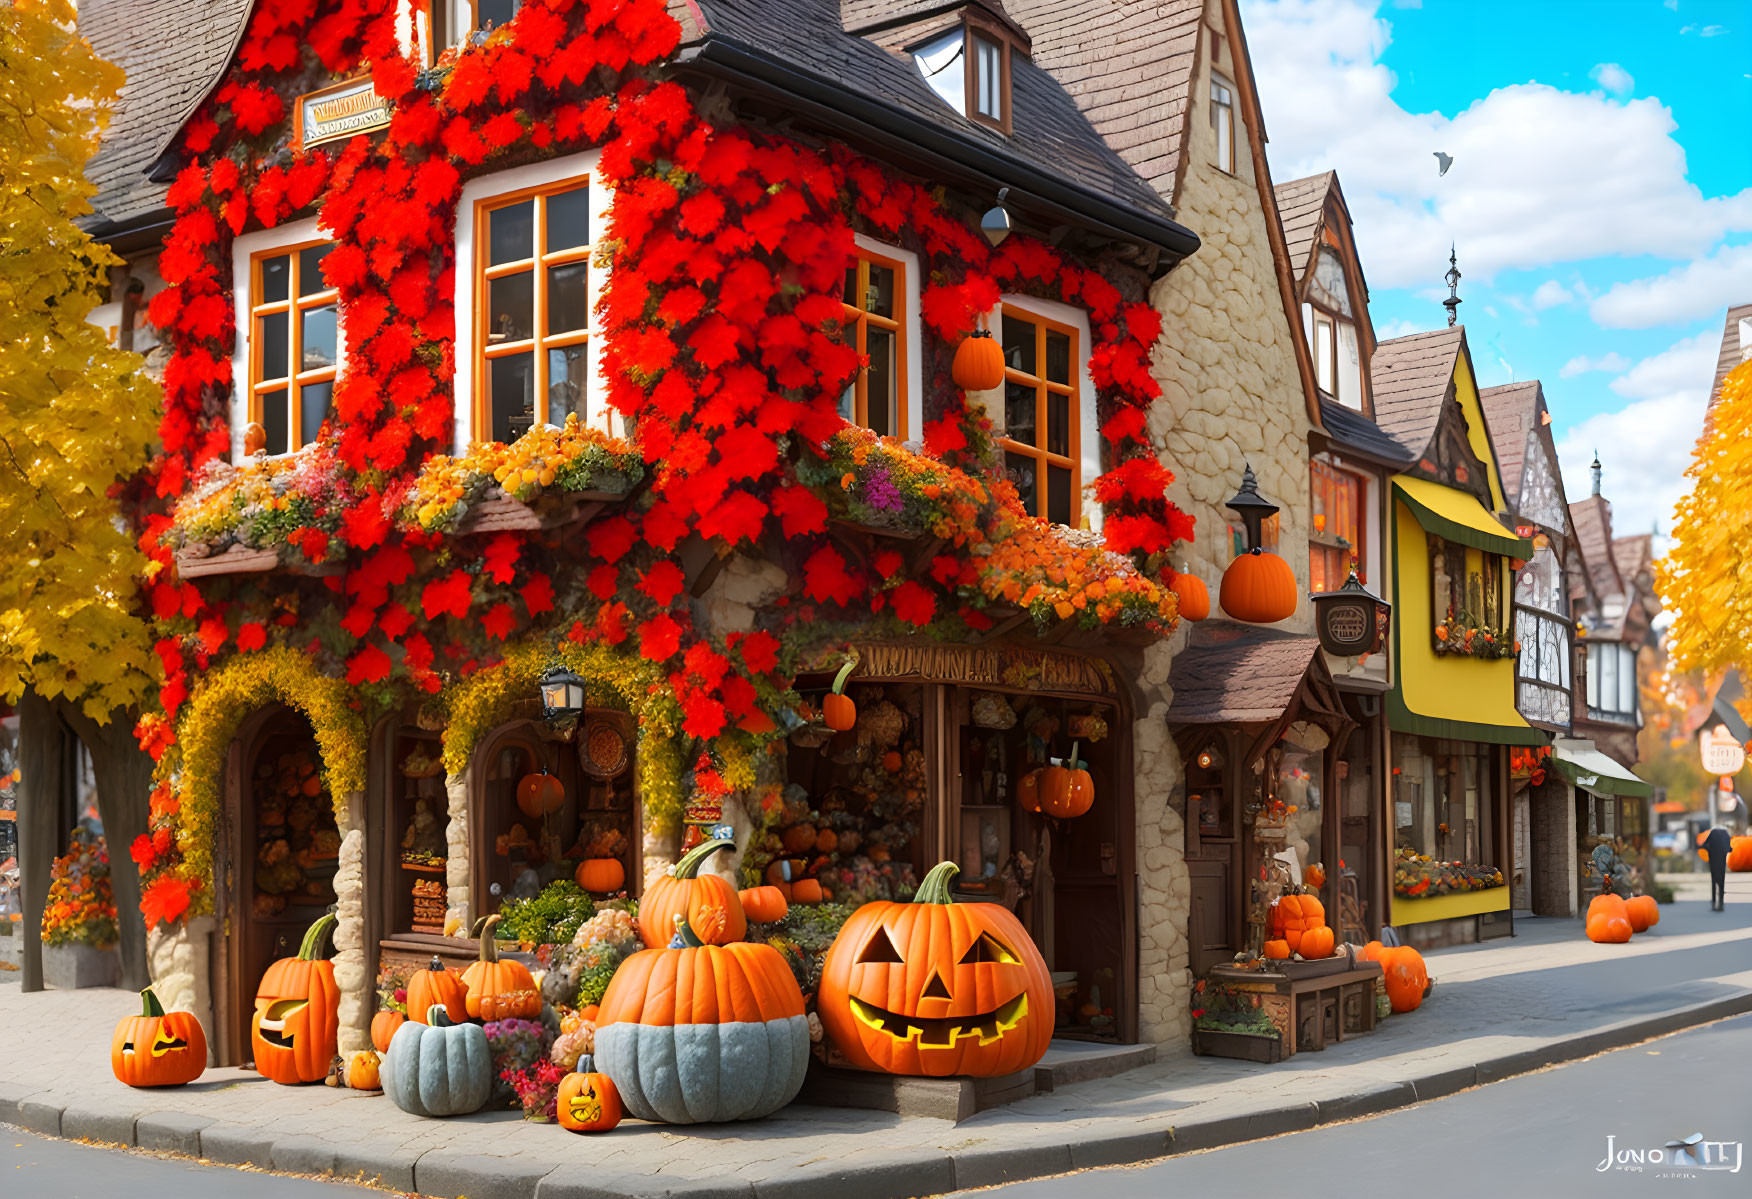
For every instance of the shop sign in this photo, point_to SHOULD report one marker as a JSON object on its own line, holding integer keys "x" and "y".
{"x": 1034, "y": 670}
{"x": 340, "y": 111}
{"x": 1721, "y": 753}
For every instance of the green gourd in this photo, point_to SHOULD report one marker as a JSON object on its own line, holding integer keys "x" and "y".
{"x": 440, "y": 1068}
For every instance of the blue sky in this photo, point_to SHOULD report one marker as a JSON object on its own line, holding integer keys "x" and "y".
{"x": 1600, "y": 198}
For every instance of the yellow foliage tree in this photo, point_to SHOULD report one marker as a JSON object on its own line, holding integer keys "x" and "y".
{"x": 1706, "y": 579}
{"x": 76, "y": 414}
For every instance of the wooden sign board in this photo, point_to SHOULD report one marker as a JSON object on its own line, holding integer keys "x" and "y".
{"x": 340, "y": 111}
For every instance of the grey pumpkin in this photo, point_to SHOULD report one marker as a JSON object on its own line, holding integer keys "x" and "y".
{"x": 438, "y": 1069}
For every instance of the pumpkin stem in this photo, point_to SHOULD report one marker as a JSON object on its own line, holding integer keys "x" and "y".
{"x": 689, "y": 866}
{"x": 845, "y": 672}
{"x": 685, "y": 934}
{"x": 438, "y": 1017}
{"x": 489, "y": 946}
{"x": 935, "y": 888}
{"x": 1073, "y": 764}
{"x": 149, "y": 1005}
{"x": 311, "y": 948}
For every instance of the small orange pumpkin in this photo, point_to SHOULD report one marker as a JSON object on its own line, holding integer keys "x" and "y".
{"x": 807, "y": 890}
{"x": 979, "y": 362}
{"x": 1403, "y": 970}
{"x": 588, "y": 1101}
{"x": 837, "y": 709}
{"x": 1260, "y": 588}
{"x": 362, "y": 1071}
{"x": 798, "y": 838}
{"x": 1066, "y": 791}
{"x": 892, "y": 761}
{"x": 498, "y": 990}
{"x": 763, "y": 905}
{"x": 158, "y": 1048}
{"x": 683, "y": 891}
{"x": 826, "y": 841}
{"x": 1277, "y": 950}
{"x": 1740, "y": 855}
{"x": 539, "y": 795}
{"x": 437, "y": 985}
{"x": 1650, "y": 912}
{"x": 1317, "y": 943}
{"x": 1315, "y": 875}
{"x": 1608, "y": 921}
{"x": 383, "y": 1026}
{"x": 601, "y": 875}
{"x": 1195, "y": 597}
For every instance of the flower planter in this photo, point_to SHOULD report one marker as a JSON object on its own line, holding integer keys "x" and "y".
{"x": 71, "y": 967}
{"x": 1249, "y": 1047}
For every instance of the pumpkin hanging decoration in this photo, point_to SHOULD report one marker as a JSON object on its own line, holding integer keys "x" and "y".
{"x": 763, "y": 905}
{"x": 1065, "y": 789}
{"x": 979, "y": 362}
{"x": 934, "y": 987}
{"x": 383, "y": 1026}
{"x": 438, "y": 1067}
{"x": 697, "y": 1033}
{"x": 683, "y": 891}
{"x": 1258, "y": 587}
{"x": 158, "y": 1048}
{"x": 601, "y": 875}
{"x": 838, "y": 711}
{"x": 297, "y": 1013}
{"x": 1195, "y": 597}
{"x": 436, "y": 984}
{"x": 498, "y": 990}
{"x": 588, "y": 1101}
{"x": 540, "y": 795}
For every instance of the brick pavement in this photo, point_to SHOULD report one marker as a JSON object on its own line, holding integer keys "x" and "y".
{"x": 1501, "y": 1008}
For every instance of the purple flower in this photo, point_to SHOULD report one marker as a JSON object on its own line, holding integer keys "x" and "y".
{"x": 880, "y": 492}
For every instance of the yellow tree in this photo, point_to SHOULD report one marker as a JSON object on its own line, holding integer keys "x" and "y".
{"x": 1706, "y": 579}
{"x": 76, "y": 420}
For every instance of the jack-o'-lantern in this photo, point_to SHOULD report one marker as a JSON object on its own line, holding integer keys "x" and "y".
{"x": 498, "y": 990}
{"x": 1028, "y": 790}
{"x": 540, "y": 794}
{"x": 683, "y": 891}
{"x": 588, "y": 1101}
{"x": 297, "y": 1013}
{"x": 934, "y": 987}
{"x": 158, "y": 1048}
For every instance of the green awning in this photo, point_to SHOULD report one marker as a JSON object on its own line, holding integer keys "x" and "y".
{"x": 1458, "y": 516}
{"x": 1594, "y": 772}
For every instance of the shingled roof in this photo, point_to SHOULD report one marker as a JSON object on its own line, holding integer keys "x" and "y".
{"x": 1350, "y": 429}
{"x": 1301, "y": 202}
{"x": 1734, "y": 350}
{"x": 173, "y": 52}
{"x": 1632, "y": 555}
{"x": 1592, "y": 519}
{"x": 1409, "y": 378}
{"x": 1242, "y": 676}
{"x": 1508, "y": 414}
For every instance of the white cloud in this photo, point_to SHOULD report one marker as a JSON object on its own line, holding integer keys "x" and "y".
{"x": 1612, "y": 77}
{"x": 1645, "y": 448}
{"x": 1540, "y": 176}
{"x": 1684, "y": 366}
{"x": 1550, "y": 294}
{"x": 1610, "y": 361}
{"x": 1670, "y": 5}
{"x": 1697, "y": 289}
{"x": 1397, "y": 327}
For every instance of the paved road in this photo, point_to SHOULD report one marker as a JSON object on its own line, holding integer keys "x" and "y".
{"x": 33, "y": 1167}
{"x": 1540, "y": 1135}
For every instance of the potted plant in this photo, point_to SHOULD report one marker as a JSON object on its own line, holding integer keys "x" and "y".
{"x": 1227, "y": 1023}
{"x": 79, "y": 919}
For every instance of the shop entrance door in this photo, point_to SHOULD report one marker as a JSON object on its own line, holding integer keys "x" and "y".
{"x": 1213, "y": 849}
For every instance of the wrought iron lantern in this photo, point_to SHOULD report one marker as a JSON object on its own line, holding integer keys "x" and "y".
{"x": 562, "y": 694}
{"x": 1253, "y": 508}
{"x": 1351, "y": 621}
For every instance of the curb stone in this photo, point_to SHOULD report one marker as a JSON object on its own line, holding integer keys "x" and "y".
{"x": 237, "y": 1145}
{"x": 880, "y": 1176}
{"x": 581, "y": 1180}
{"x": 443, "y": 1174}
{"x": 303, "y": 1155}
{"x": 390, "y": 1168}
{"x": 40, "y": 1117}
{"x": 989, "y": 1167}
{"x": 116, "y": 1127}
{"x": 1121, "y": 1150}
{"x": 171, "y": 1132}
{"x": 1371, "y": 1101}
{"x": 1443, "y": 1083}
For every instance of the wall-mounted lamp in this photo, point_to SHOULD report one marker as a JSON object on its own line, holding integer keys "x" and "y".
{"x": 997, "y": 223}
{"x": 562, "y": 694}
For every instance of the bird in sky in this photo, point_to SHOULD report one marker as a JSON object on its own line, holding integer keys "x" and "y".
{"x": 1443, "y": 162}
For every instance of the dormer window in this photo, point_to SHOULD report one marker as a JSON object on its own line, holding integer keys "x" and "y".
{"x": 968, "y": 67}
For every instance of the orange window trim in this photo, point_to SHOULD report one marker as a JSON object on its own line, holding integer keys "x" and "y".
{"x": 294, "y": 381}
{"x": 858, "y": 321}
{"x": 1042, "y": 389}
{"x": 540, "y": 265}
{"x": 1340, "y": 494}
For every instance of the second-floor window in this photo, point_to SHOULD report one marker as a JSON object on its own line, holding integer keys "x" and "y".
{"x": 1042, "y": 454}
{"x": 294, "y": 343}
{"x": 1612, "y": 682}
{"x": 1338, "y": 516}
{"x": 874, "y": 296}
{"x": 532, "y": 303}
{"x": 1223, "y": 123}
{"x": 454, "y": 20}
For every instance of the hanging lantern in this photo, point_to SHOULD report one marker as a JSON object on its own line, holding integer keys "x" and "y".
{"x": 562, "y": 694}
{"x": 1350, "y": 620}
{"x": 1258, "y": 587}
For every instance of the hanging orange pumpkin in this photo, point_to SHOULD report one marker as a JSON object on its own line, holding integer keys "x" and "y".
{"x": 1260, "y": 588}
{"x": 158, "y": 1048}
{"x": 1066, "y": 791}
{"x": 837, "y": 709}
{"x": 588, "y": 1101}
{"x": 539, "y": 795}
{"x": 1028, "y": 790}
{"x": 437, "y": 985}
{"x": 601, "y": 875}
{"x": 763, "y": 905}
{"x": 498, "y": 990}
{"x": 979, "y": 362}
{"x": 1195, "y": 597}
{"x": 683, "y": 891}
{"x": 297, "y": 1013}
{"x": 383, "y": 1026}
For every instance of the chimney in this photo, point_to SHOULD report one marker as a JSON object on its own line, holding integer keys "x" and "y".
{"x": 1595, "y": 471}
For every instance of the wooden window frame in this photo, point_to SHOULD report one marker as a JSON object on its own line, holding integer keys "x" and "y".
{"x": 1228, "y": 106}
{"x": 858, "y": 320}
{"x": 1042, "y": 388}
{"x": 294, "y": 381}
{"x": 1327, "y": 542}
{"x": 1325, "y": 324}
{"x": 972, "y": 30}
{"x": 540, "y": 264}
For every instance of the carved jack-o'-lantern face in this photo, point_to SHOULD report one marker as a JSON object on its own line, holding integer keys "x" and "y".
{"x": 297, "y": 1013}
{"x": 156, "y": 1048}
{"x": 934, "y": 988}
{"x": 588, "y": 1101}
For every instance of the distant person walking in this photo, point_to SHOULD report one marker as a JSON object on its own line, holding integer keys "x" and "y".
{"x": 1718, "y": 843}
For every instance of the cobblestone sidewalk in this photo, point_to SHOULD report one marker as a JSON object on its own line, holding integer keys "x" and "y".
{"x": 1545, "y": 996}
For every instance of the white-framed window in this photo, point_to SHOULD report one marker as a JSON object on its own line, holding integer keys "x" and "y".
{"x": 289, "y": 347}
{"x": 1045, "y": 418}
{"x": 527, "y": 349}
{"x": 1223, "y": 122}
{"x": 1612, "y": 690}
{"x": 452, "y": 21}
{"x": 882, "y": 322}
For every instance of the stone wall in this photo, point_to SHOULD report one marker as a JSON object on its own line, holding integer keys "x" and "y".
{"x": 1552, "y": 849}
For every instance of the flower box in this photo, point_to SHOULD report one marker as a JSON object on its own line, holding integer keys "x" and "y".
{"x": 72, "y": 967}
{"x": 1247, "y": 1046}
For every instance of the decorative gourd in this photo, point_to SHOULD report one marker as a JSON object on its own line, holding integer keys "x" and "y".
{"x": 1260, "y": 588}
{"x": 1028, "y": 790}
{"x": 540, "y": 794}
{"x": 363, "y": 1071}
{"x": 683, "y": 891}
{"x": 1402, "y": 968}
{"x": 1066, "y": 791}
{"x": 807, "y": 890}
{"x": 1317, "y": 943}
{"x": 763, "y": 905}
{"x": 498, "y": 990}
{"x": 601, "y": 875}
{"x": 440, "y": 985}
{"x": 701, "y": 1033}
{"x": 1645, "y": 908}
{"x": 1294, "y": 916}
{"x": 1608, "y": 921}
{"x": 979, "y": 362}
{"x": 1277, "y": 950}
{"x": 297, "y": 1013}
{"x": 1195, "y": 597}
{"x": 837, "y": 709}
{"x": 1315, "y": 875}
{"x": 826, "y": 841}
{"x": 158, "y": 1048}
{"x": 438, "y": 1067}
{"x": 588, "y": 1101}
{"x": 934, "y": 987}
{"x": 383, "y": 1026}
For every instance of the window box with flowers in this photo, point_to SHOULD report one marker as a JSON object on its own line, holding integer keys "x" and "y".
{"x": 79, "y": 920}
{"x": 1230, "y": 1023}
{"x": 1463, "y": 635}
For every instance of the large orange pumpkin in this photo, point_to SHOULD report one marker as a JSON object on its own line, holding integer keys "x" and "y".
{"x": 498, "y": 990}
{"x": 683, "y": 891}
{"x": 934, "y": 987}
{"x": 1608, "y": 920}
{"x": 1402, "y": 967}
{"x": 437, "y": 984}
{"x": 1293, "y": 916}
{"x": 1195, "y": 597}
{"x": 383, "y": 1026}
{"x": 1065, "y": 789}
{"x": 158, "y": 1048}
{"x": 540, "y": 794}
{"x": 1260, "y": 588}
{"x": 588, "y": 1101}
{"x": 601, "y": 875}
{"x": 979, "y": 362}
{"x": 297, "y": 1013}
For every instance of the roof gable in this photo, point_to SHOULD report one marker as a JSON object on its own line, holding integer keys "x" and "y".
{"x": 1510, "y": 412}
{"x": 1302, "y": 209}
{"x": 1592, "y": 519}
{"x": 1410, "y": 379}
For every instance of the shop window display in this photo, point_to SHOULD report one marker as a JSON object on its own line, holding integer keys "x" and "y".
{"x": 1443, "y": 811}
